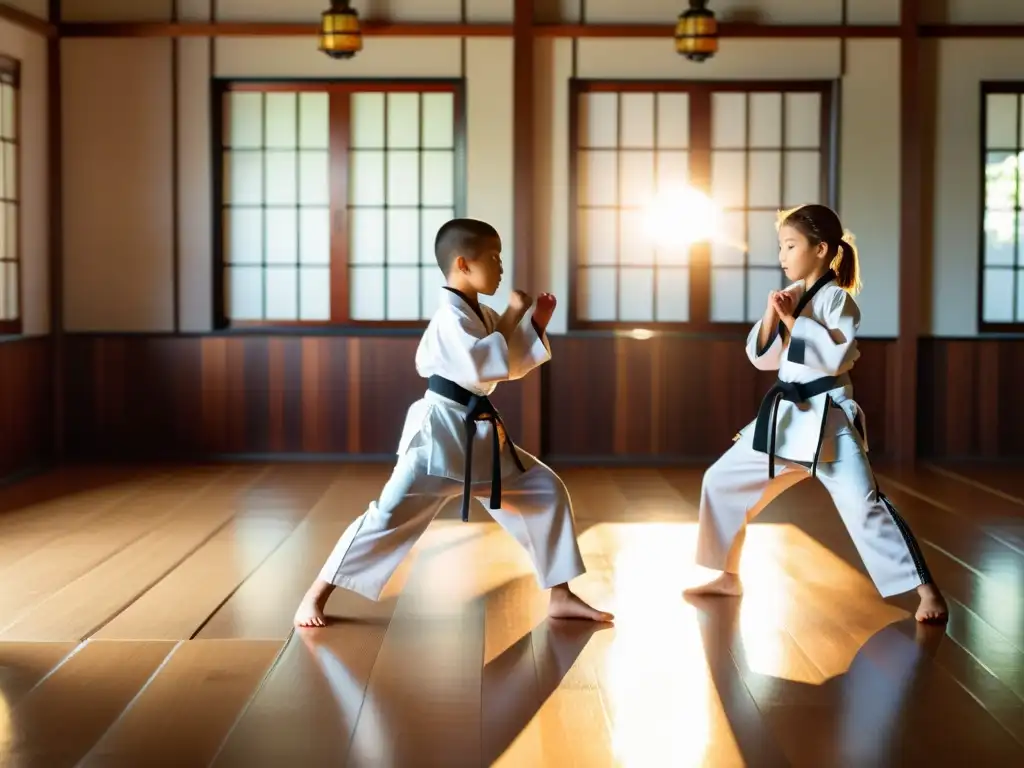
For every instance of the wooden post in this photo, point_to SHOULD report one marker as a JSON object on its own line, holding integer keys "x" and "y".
{"x": 911, "y": 231}
{"x": 56, "y": 246}
{"x": 523, "y": 271}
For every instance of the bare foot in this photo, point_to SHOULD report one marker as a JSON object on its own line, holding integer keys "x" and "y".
{"x": 726, "y": 585}
{"x": 311, "y": 609}
{"x": 933, "y": 606}
{"x": 565, "y": 605}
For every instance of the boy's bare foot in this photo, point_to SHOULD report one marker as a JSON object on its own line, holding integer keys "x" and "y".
{"x": 726, "y": 585}
{"x": 933, "y": 605}
{"x": 565, "y": 605}
{"x": 311, "y": 609}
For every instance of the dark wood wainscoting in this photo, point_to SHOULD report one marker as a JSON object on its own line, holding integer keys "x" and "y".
{"x": 603, "y": 398}
{"x": 168, "y": 396}
{"x": 969, "y": 398}
{"x": 675, "y": 398}
{"x": 26, "y": 427}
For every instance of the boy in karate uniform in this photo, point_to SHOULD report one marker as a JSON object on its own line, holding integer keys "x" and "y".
{"x": 454, "y": 442}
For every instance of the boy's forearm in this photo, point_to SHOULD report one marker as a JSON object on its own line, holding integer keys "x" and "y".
{"x": 509, "y": 321}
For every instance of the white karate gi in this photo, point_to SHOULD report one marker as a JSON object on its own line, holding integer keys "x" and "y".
{"x": 737, "y": 486}
{"x": 460, "y": 346}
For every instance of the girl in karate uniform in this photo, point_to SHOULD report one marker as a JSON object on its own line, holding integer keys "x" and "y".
{"x": 454, "y": 442}
{"x": 809, "y": 424}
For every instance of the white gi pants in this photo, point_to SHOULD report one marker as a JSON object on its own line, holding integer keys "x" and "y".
{"x": 535, "y": 509}
{"x": 737, "y": 487}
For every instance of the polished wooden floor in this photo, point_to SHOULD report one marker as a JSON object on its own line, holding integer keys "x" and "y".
{"x": 145, "y": 620}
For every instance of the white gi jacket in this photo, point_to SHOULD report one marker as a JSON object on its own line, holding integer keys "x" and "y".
{"x": 464, "y": 347}
{"x": 823, "y": 343}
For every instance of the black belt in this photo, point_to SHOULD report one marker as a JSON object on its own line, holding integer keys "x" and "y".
{"x": 767, "y": 414}
{"x": 480, "y": 409}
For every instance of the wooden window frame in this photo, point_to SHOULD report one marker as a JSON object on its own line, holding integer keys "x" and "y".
{"x": 10, "y": 70}
{"x": 699, "y": 159}
{"x": 1014, "y": 88}
{"x": 339, "y": 151}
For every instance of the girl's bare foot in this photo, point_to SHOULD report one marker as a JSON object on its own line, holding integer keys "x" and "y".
{"x": 726, "y": 585}
{"x": 933, "y": 605}
{"x": 311, "y": 609}
{"x": 565, "y": 605}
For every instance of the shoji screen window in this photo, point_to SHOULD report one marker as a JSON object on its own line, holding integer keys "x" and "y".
{"x": 10, "y": 199}
{"x": 1001, "y": 283}
{"x": 676, "y": 188}
{"x": 331, "y": 195}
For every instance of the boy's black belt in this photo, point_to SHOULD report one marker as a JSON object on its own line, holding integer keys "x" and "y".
{"x": 479, "y": 409}
{"x": 767, "y": 415}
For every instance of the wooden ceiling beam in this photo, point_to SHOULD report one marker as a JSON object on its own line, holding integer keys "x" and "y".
{"x": 373, "y": 28}
{"x": 27, "y": 21}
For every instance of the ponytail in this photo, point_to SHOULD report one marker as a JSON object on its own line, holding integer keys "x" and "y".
{"x": 820, "y": 224}
{"x": 846, "y": 265}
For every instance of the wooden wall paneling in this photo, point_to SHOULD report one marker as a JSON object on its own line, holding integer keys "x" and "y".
{"x": 192, "y": 396}
{"x": 25, "y": 392}
{"x": 968, "y": 401}
{"x": 987, "y": 380}
{"x": 1010, "y": 414}
{"x": 872, "y": 384}
{"x": 606, "y": 398}
{"x": 673, "y": 398}
{"x": 581, "y": 392}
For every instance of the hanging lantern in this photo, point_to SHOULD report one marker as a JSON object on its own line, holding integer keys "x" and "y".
{"x": 697, "y": 32}
{"x": 340, "y": 36}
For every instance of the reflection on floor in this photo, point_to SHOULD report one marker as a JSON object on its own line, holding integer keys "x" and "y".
{"x": 146, "y": 620}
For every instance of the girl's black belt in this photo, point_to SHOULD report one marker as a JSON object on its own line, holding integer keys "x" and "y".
{"x": 767, "y": 415}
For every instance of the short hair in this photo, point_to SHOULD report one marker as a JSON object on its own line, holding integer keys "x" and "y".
{"x": 460, "y": 237}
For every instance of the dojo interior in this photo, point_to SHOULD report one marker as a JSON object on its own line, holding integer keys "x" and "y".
{"x": 215, "y": 266}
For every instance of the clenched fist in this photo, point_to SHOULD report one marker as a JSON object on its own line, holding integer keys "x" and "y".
{"x": 519, "y": 301}
{"x": 545, "y": 308}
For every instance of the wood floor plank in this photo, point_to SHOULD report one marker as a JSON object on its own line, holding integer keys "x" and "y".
{"x": 988, "y": 646}
{"x": 201, "y": 583}
{"x": 91, "y": 600}
{"x": 1002, "y": 703}
{"x": 30, "y": 529}
{"x": 179, "y": 604}
{"x": 71, "y": 486}
{"x": 998, "y": 516}
{"x": 458, "y": 665}
{"x": 264, "y": 606}
{"x": 932, "y": 702}
{"x": 307, "y": 707}
{"x": 59, "y": 721}
{"x": 539, "y": 687}
{"x": 960, "y": 537}
{"x": 23, "y": 665}
{"x": 426, "y": 683}
{"x": 659, "y": 688}
{"x": 188, "y": 708}
{"x": 998, "y": 479}
{"x": 62, "y": 560}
